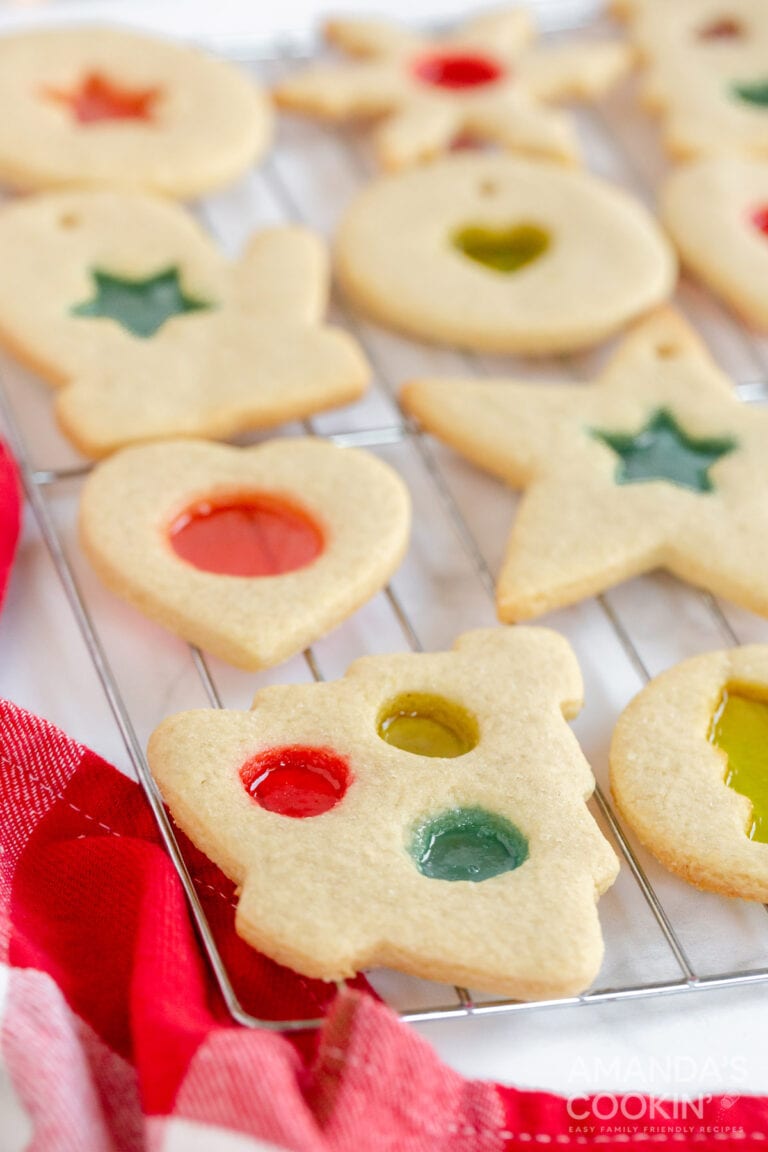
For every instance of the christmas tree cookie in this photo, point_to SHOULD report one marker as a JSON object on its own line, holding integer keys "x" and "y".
{"x": 425, "y": 812}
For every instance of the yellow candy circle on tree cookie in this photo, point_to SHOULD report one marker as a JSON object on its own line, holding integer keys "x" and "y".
{"x": 504, "y": 255}
{"x": 112, "y": 108}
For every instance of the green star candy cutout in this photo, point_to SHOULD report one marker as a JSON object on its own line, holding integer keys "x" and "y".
{"x": 755, "y": 93}
{"x": 140, "y": 306}
{"x": 583, "y": 454}
{"x": 662, "y": 451}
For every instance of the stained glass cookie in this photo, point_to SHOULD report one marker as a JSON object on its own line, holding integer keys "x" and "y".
{"x": 249, "y": 553}
{"x": 656, "y": 464}
{"x": 500, "y": 254}
{"x": 487, "y": 81}
{"x": 114, "y": 108}
{"x": 689, "y": 770}
{"x": 707, "y": 72}
{"x": 425, "y": 812}
{"x": 126, "y": 304}
{"x": 716, "y": 212}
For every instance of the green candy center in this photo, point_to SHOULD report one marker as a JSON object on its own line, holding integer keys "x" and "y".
{"x": 468, "y": 844}
{"x": 140, "y": 306}
{"x": 663, "y": 451}
{"x": 752, "y": 92}
{"x": 502, "y": 249}
{"x": 740, "y": 729}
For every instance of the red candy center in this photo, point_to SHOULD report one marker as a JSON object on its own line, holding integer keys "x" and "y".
{"x": 260, "y": 535}
{"x": 97, "y": 98}
{"x": 760, "y": 219}
{"x": 457, "y": 70}
{"x": 296, "y": 780}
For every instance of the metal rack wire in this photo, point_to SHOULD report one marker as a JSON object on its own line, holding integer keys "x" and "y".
{"x": 38, "y": 482}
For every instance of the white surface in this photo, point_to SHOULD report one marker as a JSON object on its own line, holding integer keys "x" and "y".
{"x": 697, "y": 1043}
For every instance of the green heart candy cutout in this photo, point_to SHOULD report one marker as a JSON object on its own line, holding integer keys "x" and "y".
{"x": 502, "y": 249}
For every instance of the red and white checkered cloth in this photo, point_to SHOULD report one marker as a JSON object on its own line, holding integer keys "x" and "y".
{"x": 113, "y": 1037}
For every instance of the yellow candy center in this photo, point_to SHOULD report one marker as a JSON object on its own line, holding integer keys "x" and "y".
{"x": 740, "y": 729}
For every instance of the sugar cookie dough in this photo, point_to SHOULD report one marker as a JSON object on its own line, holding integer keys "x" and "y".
{"x": 426, "y": 812}
{"x": 88, "y": 105}
{"x": 250, "y": 553}
{"x": 502, "y": 255}
{"x": 689, "y": 770}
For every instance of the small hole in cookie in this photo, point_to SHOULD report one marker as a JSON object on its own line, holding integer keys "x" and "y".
{"x": 488, "y": 188}
{"x": 468, "y": 844}
{"x": 69, "y": 220}
{"x": 428, "y": 725}
{"x": 296, "y": 780}
{"x": 667, "y": 351}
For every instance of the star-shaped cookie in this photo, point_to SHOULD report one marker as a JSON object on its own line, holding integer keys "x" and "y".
{"x": 656, "y": 464}
{"x": 425, "y": 811}
{"x": 483, "y": 82}
{"x": 707, "y": 72}
{"x": 124, "y": 302}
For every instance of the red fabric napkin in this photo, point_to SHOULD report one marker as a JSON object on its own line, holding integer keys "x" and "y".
{"x": 10, "y": 516}
{"x": 114, "y": 1037}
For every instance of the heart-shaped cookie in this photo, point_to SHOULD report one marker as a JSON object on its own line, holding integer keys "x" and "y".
{"x": 502, "y": 249}
{"x": 250, "y": 553}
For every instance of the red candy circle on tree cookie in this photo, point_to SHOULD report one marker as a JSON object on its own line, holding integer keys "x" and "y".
{"x": 760, "y": 219}
{"x": 296, "y": 780}
{"x": 257, "y": 535}
{"x": 457, "y": 70}
{"x": 96, "y": 98}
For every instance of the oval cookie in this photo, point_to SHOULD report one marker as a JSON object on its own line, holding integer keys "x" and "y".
{"x": 126, "y": 302}
{"x": 689, "y": 770}
{"x": 426, "y": 811}
{"x": 502, "y": 255}
{"x": 250, "y": 553}
{"x": 716, "y": 212}
{"x": 110, "y": 107}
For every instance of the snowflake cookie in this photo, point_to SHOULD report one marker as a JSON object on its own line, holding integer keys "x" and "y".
{"x": 707, "y": 72}
{"x": 656, "y": 464}
{"x": 425, "y": 812}
{"x": 250, "y": 553}
{"x": 483, "y": 82}
{"x": 126, "y": 303}
{"x": 109, "y": 107}
{"x": 689, "y": 770}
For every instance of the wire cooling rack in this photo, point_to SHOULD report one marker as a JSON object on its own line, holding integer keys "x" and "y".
{"x": 662, "y": 936}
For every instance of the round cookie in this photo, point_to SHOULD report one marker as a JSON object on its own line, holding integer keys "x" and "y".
{"x": 707, "y": 72}
{"x": 251, "y": 553}
{"x": 689, "y": 770}
{"x": 124, "y": 301}
{"x": 108, "y": 107}
{"x": 502, "y": 255}
{"x": 716, "y": 212}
